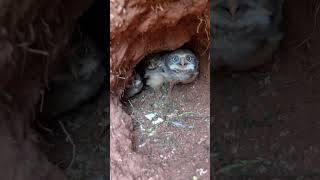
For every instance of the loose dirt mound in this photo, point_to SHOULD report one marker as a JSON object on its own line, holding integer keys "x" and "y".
{"x": 139, "y": 28}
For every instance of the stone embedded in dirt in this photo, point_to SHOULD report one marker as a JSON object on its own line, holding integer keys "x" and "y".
{"x": 158, "y": 121}
{"x": 178, "y": 124}
{"x": 150, "y": 116}
{"x": 201, "y": 171}
{"x": 152, "y": 133}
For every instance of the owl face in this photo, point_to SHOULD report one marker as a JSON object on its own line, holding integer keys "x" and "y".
{"x": 235, "y": 14}
{"x": 136, "y": 81}
{"x": 134, "y": 86}
{"x": 181, "y": 60}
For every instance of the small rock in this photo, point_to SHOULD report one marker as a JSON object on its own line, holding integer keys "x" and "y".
{"x": 201, "y": 171}
{"x": 158, "y": 121}
{"x": 178, "y": 124}
{"x": 152, "y": 133}
{"x": 150, "y": 116}
{"x": 171, "y": 115}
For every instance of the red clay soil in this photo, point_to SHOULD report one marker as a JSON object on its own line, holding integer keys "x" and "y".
{"x": 178, "y": 137}
{"x": 138, "y": 28}
{"x": 33, "y": 35}
{"x": 267, "y": 120}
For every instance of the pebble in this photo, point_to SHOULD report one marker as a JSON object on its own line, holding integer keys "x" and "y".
{"x": 150, "y": 116}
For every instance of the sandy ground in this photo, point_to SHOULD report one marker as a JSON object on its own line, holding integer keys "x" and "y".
{"x": 266, "y": 122}
{"x": 174, "y": 132}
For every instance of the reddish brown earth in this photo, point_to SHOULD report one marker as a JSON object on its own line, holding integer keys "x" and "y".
{"x": 178, "y": 135}
{"x": 139, "y": 28}
{"x": 266, "y": 121}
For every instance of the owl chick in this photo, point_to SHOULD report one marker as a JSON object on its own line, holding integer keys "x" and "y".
{"x": 180, "y": 66}
{"x": 82, "y": 80}
{"x": 134, "y": 86}
{"x": 245, "y": 33}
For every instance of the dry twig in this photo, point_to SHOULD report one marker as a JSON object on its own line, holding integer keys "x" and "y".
{"x": 69, "y": 139}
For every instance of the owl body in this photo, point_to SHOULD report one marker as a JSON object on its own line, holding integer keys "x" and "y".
{"x": 180, "y": 66}
{"x": 245, "y": 32}
{"x": 82, "y": 79}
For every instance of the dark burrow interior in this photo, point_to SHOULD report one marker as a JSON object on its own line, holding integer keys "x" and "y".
{"x": 73, "y": 131}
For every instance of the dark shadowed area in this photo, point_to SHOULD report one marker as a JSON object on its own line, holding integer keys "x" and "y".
{"x": 266, "y": 121}
{"x": 35, "y": 41}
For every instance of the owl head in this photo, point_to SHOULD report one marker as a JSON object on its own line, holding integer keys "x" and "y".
{"x": 235, "y": 14}
{"x": 136, "y": 81}
{"x": 134, "y": 87}
{"x": 182, "y": 60}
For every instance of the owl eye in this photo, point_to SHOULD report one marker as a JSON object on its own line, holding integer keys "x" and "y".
{"x": 174, "y": 58}
{"x": 189, "y": 58}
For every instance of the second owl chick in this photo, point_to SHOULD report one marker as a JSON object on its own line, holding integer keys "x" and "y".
{"x": 81, "y": 80}
{"x": 134, "y": 86}
{"x": 179, "y": 66}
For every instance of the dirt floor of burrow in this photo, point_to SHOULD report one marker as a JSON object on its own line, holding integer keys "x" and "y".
{"x": 87, "y": 127}
{"x": 174, "y": 133}
{"x": 266, "y": 122}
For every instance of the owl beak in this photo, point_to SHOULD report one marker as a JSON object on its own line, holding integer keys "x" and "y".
{"x": 233, "y": 6}
{"x": 233, "y": 11}
{"x": 183, "y": 62}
